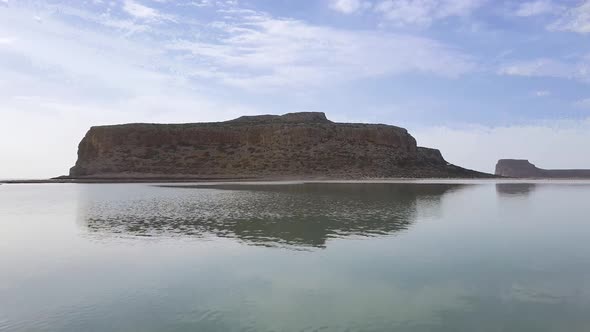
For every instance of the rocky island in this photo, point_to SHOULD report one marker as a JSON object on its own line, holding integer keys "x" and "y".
{"x": 290, "y": 146}
{"x": 522, "y": 168}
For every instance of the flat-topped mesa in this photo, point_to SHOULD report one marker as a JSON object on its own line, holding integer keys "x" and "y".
{"x": 295, "y": 145}
{"x": 522, "y": 168}
{"x": 517, "y": 168}
{"x": 300, "y": 117}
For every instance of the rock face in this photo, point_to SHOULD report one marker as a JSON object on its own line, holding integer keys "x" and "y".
{"x": 522, "y": 168}
{"x": 267, "y": 146}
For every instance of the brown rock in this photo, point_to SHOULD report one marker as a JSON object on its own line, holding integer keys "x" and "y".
{"x": 522, "y": 168}
{"x": 267, "y": 146}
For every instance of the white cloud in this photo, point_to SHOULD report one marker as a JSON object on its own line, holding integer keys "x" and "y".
{"x": 539, "y": 7}
{"x": 583, "y": 103}
{"x": 538, "y": 67}
{"x": 542, "y": 93}
{"x": 256, "y": 51}
{"x": 129, "y": 26}
{"x": 578, "y": 70}
{"x": 554, "y": 144}
{"x": 424, "y": 12}
{"x": 200, "y": 3}
{"x": 7, "y": 40}
{"x": 349, "y": 6}
{"x": 576, "y": 19}
{"x": 260, "y": 51}
{"x": 138, "y": 10}
{"x": 61, "y": 77}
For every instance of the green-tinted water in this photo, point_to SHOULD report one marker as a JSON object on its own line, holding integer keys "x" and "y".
{"x": 296, "y": 257}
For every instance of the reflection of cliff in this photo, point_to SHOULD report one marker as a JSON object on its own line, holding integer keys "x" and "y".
{"x": 271, "y": 215}
{"x": 515, "y": 189}
{"x": 520, "y": 168}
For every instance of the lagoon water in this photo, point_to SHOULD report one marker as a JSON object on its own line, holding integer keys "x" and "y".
{"x": 473, "y": 256}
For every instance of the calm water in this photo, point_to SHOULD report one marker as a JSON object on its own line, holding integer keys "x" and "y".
{"x": 295, "y": 257}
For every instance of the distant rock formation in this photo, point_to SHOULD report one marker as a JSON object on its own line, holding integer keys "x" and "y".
{"x": 295, "y": 145}
{"x": 522, "y": 168}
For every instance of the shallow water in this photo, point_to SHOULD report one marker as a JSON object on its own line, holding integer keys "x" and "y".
{"x": 476, "y": 256}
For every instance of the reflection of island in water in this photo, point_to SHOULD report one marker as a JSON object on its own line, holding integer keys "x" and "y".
{"x": 515, "y": 189}
{"x": 300, "y": 215}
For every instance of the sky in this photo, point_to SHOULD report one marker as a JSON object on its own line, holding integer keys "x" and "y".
{"x": 479, "y": 79}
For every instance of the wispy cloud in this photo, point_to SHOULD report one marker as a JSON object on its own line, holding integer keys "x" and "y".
{"x": 349, "y": 6}
{"x": 583, "y": 103}
{"x": 255, "y": 51}
{"x": 424, "y": 12}
{"x": 198, "y": 3}
{"x": 141, "y": 11}
{"x": 576, "y": 19}
{"x": 539, "y": 7}
{"x": 7, "y": 40}
{"x": 259, "y": 51}
{"x": 542, "y": 93}
{"x": 129, "y": 26}
{"x": 545, "y": 67}
{"x": 250, "y": 50}
{"x": 58, "y": 75}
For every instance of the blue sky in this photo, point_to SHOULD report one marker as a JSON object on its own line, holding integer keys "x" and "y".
{"x": 479, "y": 79}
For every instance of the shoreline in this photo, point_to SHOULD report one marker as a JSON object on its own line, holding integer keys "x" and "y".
{"x": 215, "y": 180}
{"x": 289, "y": 180}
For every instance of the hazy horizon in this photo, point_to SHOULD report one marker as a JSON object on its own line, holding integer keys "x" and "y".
{"x": 480, "y": 80}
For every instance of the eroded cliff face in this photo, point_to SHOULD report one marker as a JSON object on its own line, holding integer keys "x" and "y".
{"x": 516, "y": 168}
{"x": 522, "y": 168}
{"x": 292, "y": 145}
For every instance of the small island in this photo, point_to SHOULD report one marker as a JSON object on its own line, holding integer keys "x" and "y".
{"x": 291, "y": 146}
{"x": 522, "y": 168}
